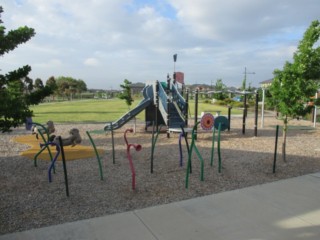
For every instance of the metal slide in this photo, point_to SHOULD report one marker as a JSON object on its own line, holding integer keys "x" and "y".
{"x": 177, "y": 106}
{"x": 148, "y": 99}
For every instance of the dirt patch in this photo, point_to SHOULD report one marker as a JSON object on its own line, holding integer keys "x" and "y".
{"x": 29, "y": 201}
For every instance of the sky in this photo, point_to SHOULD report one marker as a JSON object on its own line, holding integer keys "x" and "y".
{"x": 103, "y": 42}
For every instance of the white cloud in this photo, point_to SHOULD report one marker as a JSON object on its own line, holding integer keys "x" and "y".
{"x": 91, "y": 62}
{"x": 135, "y": 39}
{"x": 233, "y": 20}
{"x": 52, "y": 63}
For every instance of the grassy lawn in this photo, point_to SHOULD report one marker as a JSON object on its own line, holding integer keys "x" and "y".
{"x": 101, "y": 111}
{"x": 81, "y": 111}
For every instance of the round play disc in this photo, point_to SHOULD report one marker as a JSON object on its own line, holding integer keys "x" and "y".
{"x": 207, "y": 121}
{"x": 224, "y": 123}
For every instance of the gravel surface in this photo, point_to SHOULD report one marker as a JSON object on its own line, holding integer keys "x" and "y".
{"x": 29, "y": 201}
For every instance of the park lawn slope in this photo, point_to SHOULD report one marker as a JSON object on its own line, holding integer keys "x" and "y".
{"x": 102, "y": 110}
{"x": 82, "y": 111}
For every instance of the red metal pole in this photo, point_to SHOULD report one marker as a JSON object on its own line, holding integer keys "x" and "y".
{"x": 137, "y": 147}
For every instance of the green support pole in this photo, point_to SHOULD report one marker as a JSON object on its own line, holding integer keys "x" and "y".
{"x": 275, "y": 150}
{"x": 64, "y": 167}
{"x": 212, "y": 147}
{"x": 112, "y": 137}
{"x": 154, "y": 140}
{"x": 201, "y": 163}
{"x": 36, "y": 156}
{"x": 189, "y": 161}
{"x": 185, "y": 134}
{"x": 187, "y": 107}
{"x": 152, "y": 148}
{"x": 97, "y": 154}
{"x": 190, "y": 155}
{"x": 46, "y": 146}
{"x": 219, "y": 152}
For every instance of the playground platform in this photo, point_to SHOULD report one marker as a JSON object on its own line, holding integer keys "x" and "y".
{"x": 286, "y": 209}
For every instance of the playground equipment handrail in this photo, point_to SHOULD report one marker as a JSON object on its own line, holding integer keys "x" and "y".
{"x": 145, "y": 92}
{"x": 182, "y": 116}
{"x": 179, "y": 100}
{"x": 163, "y": 103}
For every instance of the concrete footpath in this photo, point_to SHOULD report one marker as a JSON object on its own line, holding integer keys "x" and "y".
{"x": 286, "y": 209}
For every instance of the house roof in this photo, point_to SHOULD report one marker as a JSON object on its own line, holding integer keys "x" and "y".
{"x": 137, "y": 85}
{"x": 267, "y": 81}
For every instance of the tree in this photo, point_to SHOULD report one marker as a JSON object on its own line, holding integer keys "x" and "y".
{"x": 51, "y": 82}
{"x": 126, "y": 92}
{"x": 68, "y": 86}
{"x": 219, "y": 86}
{"x": 81, "y": 86}
{"x": 38, "y": 84}
{"x": 292, "y": 87}
{"x": 16, "y": 87}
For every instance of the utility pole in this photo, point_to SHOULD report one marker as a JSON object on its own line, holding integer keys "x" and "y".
{"x": 244, "y": 87}
{"x": 244, "y": 83}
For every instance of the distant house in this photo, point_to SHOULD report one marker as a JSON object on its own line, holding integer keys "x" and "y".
{"x": 231, "y": 89}
{"x": 112, "y": 93}
{"x": 136, "y": 88}
{"x": 266, "y": 83}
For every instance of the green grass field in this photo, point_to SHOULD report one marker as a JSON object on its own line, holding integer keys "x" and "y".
{"x": 101, "y": 111}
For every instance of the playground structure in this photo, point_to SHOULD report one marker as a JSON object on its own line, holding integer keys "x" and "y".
{"x": 207, "y": 122}
{"x": 164, "y": 105}
{"x": 220, "y": 123}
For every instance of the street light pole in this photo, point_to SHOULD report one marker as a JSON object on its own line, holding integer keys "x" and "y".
{"x": 262, "y": 107}
{"x": 174, "y": 67}
{"x": 245, "y": 99}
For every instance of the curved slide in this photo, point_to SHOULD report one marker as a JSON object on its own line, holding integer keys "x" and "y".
{"x": 148, "y": 99}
